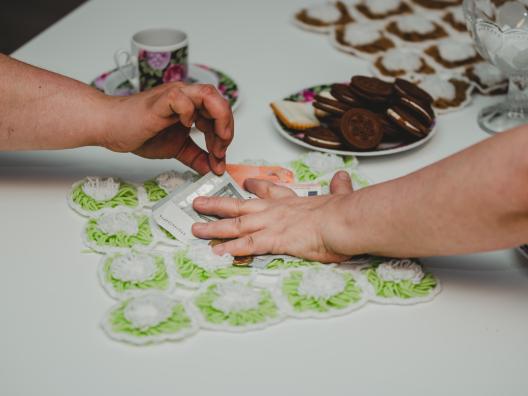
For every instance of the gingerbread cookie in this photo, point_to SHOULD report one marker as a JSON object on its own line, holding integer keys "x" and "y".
{"x": 450, "y": 92}
{"x": 437, "y": 4}
{"x": 380, "y": 9}
{"x": 401, "y": 61}
{"x": 456, "y": 19}
{"x": 322, "y": 18}
{"x": 362, "y": 39}
{"x": 487, "y": 78}
{"x": 416, "y": 28}
{"x": 453, "y": 53}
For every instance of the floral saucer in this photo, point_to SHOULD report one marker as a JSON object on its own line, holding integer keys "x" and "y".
{"x": 115, "y": 83}
{"x": 523, "y": 250}
{"x": 307, "y": 96}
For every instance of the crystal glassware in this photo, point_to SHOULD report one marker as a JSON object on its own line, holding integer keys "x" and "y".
{"x": 500, "y": 31}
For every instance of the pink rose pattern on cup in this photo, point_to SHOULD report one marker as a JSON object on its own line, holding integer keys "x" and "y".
{"x": 156, "y": 68}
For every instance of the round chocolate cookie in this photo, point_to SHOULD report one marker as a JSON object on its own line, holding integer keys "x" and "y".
{"x": 342, "y": 93}
{"x": 422, "y": 110}
{"x": 404, "y": 88}
{"x": 329, "y": 104}
{"x": 371, "y": 89}
{"x": 407, "y": 121}
{"x": 322, "y": 137}
{"x": 361, "y": 129}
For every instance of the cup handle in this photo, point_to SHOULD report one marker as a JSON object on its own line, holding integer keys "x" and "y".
{"x": 126, "y": 64}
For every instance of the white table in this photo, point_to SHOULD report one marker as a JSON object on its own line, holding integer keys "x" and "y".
{"x": 471, "y": 340}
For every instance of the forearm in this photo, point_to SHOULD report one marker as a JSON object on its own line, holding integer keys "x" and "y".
{"x": 475, "y": 200}
{"x": 43, "y": 110}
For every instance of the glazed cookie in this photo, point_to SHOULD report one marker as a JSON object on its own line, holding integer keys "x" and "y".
{"x": 401, "y": 61}
{"x": 322, "y": 18}
{"x": 197, "y": 264}
{"x": 319, "y": 292}
{"x": 416, "y": 28}
{"x": 437, "y": 4}
{"x": 295, "y": 115}
{"x": 400, "y": 282}
{"x": 487, "y": 78}
{"x": 119, "y": 231}
{"x": 380, "y": 9}
{"x": 150, "y": 318}
{"x": 94, "y": 195}
{"x": 362, "y": 39}
{"x": 236, "y": 305}
{"x": 456, "y": 19}
{"x": 165, "y": 183}
{"x": 453, "y": 53}
{"x": 448, "y": 91}
{"x": 132, "y": 273}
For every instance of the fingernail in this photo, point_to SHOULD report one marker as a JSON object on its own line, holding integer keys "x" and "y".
{"x": 343, "y": 175}
{"x": 200, "y": 200}
{"x": 219, "y": 250}
{"x": 198, "y": 226}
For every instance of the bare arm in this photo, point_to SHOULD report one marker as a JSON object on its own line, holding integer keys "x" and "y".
{"x": 475, "y": 200}
{"x": 43, "y": 110}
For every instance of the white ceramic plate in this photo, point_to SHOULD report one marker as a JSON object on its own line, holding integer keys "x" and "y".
{"x": 307, "y": 95}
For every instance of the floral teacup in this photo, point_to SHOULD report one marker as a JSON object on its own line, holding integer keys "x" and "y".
{"x": 158, "y": 56}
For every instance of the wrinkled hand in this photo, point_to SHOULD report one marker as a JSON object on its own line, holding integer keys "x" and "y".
{"x": 156, "y": 124}
{"x": 279, "y": 223}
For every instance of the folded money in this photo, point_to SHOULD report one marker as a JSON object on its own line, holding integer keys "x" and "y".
{"x": 175, "y": 212}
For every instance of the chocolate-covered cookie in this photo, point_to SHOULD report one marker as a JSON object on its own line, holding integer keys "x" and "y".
{"x": 343, "y": 94}
{"x": 361, "y": 129}
{"x": 406, "y": 88}
{"x": 323, "y": 137}
{"x": 371, "y": 89}
{"x": 406, "y": 120}
{"x": 328, "y": 104}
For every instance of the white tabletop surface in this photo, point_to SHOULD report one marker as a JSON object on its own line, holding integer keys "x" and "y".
{"x": 471, "y": 340}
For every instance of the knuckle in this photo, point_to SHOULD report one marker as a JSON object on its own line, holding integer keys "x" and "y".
{"x": 208, "y": 90}
{"x": 237, "y": 223}
{"x": 249, "y": 242}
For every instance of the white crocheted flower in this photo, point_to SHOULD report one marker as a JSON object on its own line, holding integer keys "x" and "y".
{"x": 203, "y": 256}
{"x": 133, "y": 267}
{"x": 148, "y": 311}
{"x": 112, "y": 223}
{"x": 400, "y": 270}
{"x": 235, "y": 297}
{"x": 322, "y": 163}
{"x": 321, "y": 283}
{"x": 101, "y": 188}
{"x": 171, "y": 180}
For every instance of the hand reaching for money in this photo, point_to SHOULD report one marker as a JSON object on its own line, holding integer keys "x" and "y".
{"x": 156, "y": 124}
{"x": 279, "y": 222}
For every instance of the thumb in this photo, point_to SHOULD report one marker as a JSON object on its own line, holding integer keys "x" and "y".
{"x": 341, "y": 183}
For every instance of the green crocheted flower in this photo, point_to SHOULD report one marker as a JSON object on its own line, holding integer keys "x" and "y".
{"x": 192, "y": 272}
{"x": 120, "y": 239}
{"x": 263, "y": 310}
{"x": 401, "y": 288}
{"x": 319, "y": 301}
{"x": 310, "y": 167}
{"x": 159, "y": 279}
{"x": 126, "y": 195}
{"x": 175, "y": 323}
{"x": 154, "y": 191}
{"x": 282, "y": 264}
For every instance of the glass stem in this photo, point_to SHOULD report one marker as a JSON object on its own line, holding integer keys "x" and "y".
{"x": 517, "y": 100}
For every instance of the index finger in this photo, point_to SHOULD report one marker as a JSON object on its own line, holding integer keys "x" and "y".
{"x": 208, "y": 98}
{"x": 228, "y": 207}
